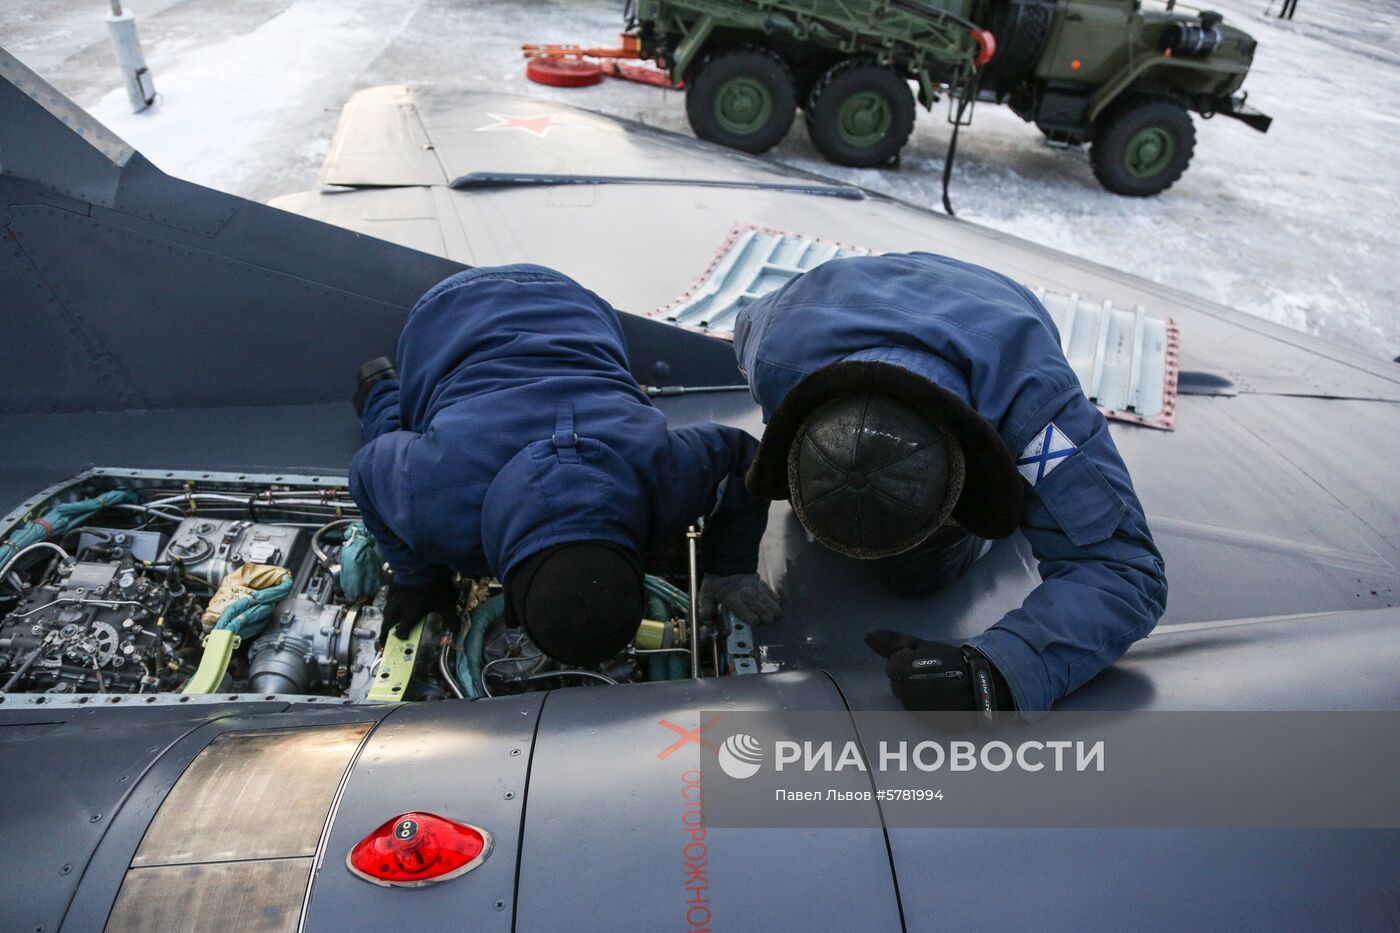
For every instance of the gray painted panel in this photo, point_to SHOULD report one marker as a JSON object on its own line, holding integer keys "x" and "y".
{"x": 116, "y": 766}
{"x": 59, "y": 144}
{"x": 1269, "y": 663}
{"x": 473, "y": 132}
{"x": 464, "y": 761}
{"x": 381, "y": 141}
{"x": 604, "y": 840}
{"x": 1145, "y": 880}
{"x": 46, "y": 347}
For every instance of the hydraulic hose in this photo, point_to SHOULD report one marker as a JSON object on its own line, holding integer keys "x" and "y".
{"x": 36, "y": 546}
{"x": 474, "y": 645}
{"x": 676, "y": 597}
{"x": 664, "y": 601}
{"x": 318, "y": 536}
{"x": 56, "y": 523}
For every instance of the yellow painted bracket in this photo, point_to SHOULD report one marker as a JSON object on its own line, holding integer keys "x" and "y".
{"x": 219, "y": 646}
{"x": 396, "y": 666}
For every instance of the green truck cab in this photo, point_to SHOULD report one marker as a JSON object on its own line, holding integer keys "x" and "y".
{"x": 1117, "y": 74}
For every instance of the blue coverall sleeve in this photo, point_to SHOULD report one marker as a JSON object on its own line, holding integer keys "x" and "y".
{"x": 713, "y": 460}
{"x": 381, "y": 412}
{"x": 1103, "y": 581}
{"x": 380, "y": 486}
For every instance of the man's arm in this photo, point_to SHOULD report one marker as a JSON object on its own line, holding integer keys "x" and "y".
{"x": 1103, "y": 581}
{"x": 734, "y": 518}
{"x": 381, "y": 411}
{"x": 381, "y": 486}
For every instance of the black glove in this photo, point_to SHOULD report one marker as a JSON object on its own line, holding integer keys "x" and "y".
{"x": 931, "y": 675}
{"x": 368, "y": 376}
{"x": 405, "y": 606}
{"x": 744, "y": 594}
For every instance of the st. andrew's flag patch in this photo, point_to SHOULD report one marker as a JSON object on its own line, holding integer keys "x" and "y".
{"x": 1047, "y": 450}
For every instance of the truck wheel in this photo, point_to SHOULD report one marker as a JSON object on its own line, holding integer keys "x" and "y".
{"x": 1142, "y": 147}
{"x": 744, "y": 99}
{"x": 860, "y": 114}
{"x": 1021, "y": 27}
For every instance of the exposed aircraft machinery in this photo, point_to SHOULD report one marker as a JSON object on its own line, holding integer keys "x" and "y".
{"x": 117, "y": 582}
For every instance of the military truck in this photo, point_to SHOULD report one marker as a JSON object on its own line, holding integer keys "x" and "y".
{"x": 1112, "y": 73}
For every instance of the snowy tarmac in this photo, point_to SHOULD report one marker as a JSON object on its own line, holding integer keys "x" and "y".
{"x": 1296, "y": 226}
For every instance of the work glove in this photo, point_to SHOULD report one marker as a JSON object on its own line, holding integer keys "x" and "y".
{"x": 367, "y": 377}
{"x": 405, "y": 606}
{"x": 744, "y": 594}
{"x": 931, "y": 675}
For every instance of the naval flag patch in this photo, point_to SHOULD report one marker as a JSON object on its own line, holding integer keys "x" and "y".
{"x": 1047, "y": 450}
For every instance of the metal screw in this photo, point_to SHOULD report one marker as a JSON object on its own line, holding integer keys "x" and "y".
{"x": 510, "y": 795}
{"x": 514, "y": 752}
{"x": 95, "y": 817}
{"x": 500, "y": 905}
{"x": 65, "y": 869}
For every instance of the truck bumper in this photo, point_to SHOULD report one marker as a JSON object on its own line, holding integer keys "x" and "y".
{"x": 1237, "y": 108}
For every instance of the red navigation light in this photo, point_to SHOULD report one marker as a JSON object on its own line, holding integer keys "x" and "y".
{"x": 415, "y": 849}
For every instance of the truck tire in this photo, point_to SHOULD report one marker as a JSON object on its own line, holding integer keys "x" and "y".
{"x": 1141, "y": 147}
{"x": 860, "y": 114}
{"x": 742, "y": 98}
{"x": 1021, "y": 28}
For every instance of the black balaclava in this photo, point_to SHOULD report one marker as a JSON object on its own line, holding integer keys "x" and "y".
{"x": 580, "y": 602}
{"x": 870, "y": 476}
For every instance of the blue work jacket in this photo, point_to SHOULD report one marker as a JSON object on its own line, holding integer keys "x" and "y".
{"x": 990, "y": 341}
{"x": 516, "y": 425}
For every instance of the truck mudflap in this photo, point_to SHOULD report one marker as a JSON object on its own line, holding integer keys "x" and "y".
{"x": 1237, "y": 108}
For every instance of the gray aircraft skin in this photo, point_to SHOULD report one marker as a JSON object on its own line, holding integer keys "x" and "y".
{"x": 168, "y": 329}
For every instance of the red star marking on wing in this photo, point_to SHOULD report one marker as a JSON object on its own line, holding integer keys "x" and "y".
{"x": 537, "y": 125}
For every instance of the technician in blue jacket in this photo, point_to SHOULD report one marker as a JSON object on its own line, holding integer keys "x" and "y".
{"x": 517, "y": 444}
{"x": 917, "y": 406}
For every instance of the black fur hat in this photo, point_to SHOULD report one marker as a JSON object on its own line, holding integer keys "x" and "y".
{"x": 580, "y": 602}
{"x": 992, "y": 493}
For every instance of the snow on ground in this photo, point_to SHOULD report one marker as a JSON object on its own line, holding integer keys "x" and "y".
{"x": 1294, "y": 226}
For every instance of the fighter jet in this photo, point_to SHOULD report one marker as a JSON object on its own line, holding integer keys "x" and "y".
{"x": 176, "y": 367}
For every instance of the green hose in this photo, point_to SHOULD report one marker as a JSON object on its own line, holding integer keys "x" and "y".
{"x": 669, "y": 603}
{"x": 664, "y": 601}
{"x": 678, "y": 599}
{"x": 471, "y": 656}
{"x": 247, "y": 615}
{"x": 360, "y": 574}
{"x": 58, "y": 520}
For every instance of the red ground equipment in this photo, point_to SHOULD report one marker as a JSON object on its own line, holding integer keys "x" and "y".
{"x": 579, "y": 66}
